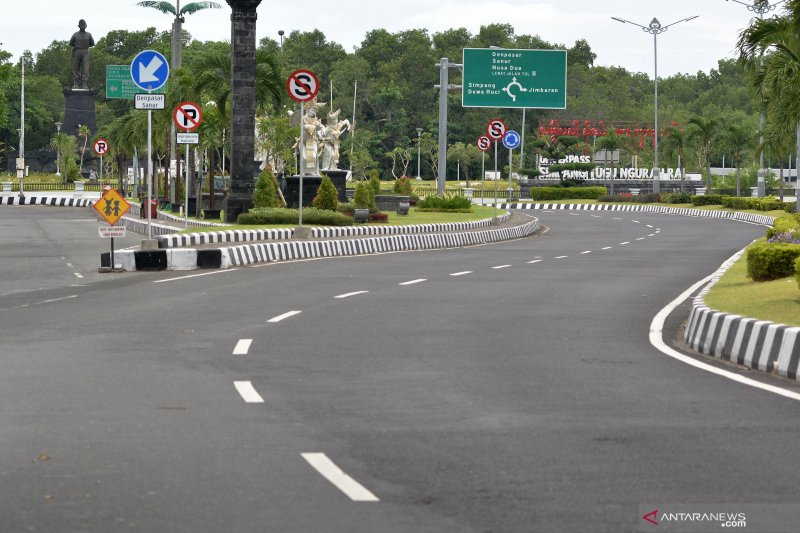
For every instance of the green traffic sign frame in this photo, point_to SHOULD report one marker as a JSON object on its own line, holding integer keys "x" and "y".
{"x": 514, "y": 78}
{"x": 119, "y": 84}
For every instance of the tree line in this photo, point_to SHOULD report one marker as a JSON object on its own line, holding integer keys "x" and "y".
{"x": 389, "y": 79}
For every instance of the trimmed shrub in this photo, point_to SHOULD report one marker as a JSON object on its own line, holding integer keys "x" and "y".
{"x": 364, "y": 197}
{"x": 379, "y": 217}
{"x": 402, "y": 186}
{"x": 767, "y": 261}
{"x": 709, "y": 199}
{"x": 450, "y": 202}
{"x": 568, "y": 193}
{"x": 783, "y": 225}
{"x": 627, "y": 197}
{"x": 375, "y": 184}
{"x": 266, "y": 192}
{"x": 758, "y": 204}
{"x": 327, "y": 197}
{"x": 677, "y": 198}
{"x": 274, "y": 215}
{"x": 797, "y": 271}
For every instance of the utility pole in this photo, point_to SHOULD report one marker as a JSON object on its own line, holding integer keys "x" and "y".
{"x": 444, "y": 86}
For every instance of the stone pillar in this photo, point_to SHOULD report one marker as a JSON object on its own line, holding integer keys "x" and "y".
{"x": 243, "y": 106}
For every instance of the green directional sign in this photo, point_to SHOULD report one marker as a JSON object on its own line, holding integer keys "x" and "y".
{"x": 500, "y": 77}
{"x": 119, "y": 83}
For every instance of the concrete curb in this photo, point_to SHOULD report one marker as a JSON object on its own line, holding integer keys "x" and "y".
{"x": 248, "y": 254}
{"x": 54, "y": 201}
{"x": 756, "y": 344}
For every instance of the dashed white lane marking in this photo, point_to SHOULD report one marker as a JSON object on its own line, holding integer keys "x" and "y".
{"x": 561, "y": 257}
{"x": 574, "y": 214}
{"x": 595, "y": 216}
{"x": 198, "y": 275}
{"x": 68, "y": 264}
{"x": 641, "y": 238}
{"x": 534, "y": 261}
{"x": 242, "y": 347}
{"x": 616, "y": 218}
{"x": 79, "y": 276}
{"x": 652, "y": 235}
{"x": 586, "y": 252}
{"x": 454, "y": 274}
{"x": 500, "y": 267}
{"x": 352, "y": 488}
{"x": 247, "y": 392}
{"x": 635, "y": 221}
{"x": 607, "y": 248}
{"x": 284, "y": 316}
{"x": 624, "y": 243}
{"x": 349, "y": 294}
{"x": 413, "y": 281}
{"x": 649, "y": 226}
{"x": 39, "y": 303}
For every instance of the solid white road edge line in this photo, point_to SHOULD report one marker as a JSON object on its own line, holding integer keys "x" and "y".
{"x": 413, "y": 281}
{"x": 352, "y": 488}
{"x": 247, "y": 392}
{"x": 657, "y": 340}
{"x": 349, "y": 294}
{"x": 242, "y": 347}
{"x": 284, "y": 316}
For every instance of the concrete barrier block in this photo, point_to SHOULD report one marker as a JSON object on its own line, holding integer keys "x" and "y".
{"x": 181, "y": 259}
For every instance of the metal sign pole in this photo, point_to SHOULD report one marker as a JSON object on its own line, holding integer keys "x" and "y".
{"x": 302, "y": 161}
{"x": 495, "y": 177}
{"x": 510, "y": 162}
{"x": 149, "y": 172}
{"x": 483, "y": 174}
{"x": 101, "y": 167}
{"x": 112, "y": 253}
{"x": 186, "y": 193}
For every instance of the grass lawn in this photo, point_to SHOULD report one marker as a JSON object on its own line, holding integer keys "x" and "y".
{"x": 776, "y": 301}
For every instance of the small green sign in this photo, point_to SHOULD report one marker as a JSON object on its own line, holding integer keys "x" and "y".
{"x": 119, "y": 83}
{"x": 500, "y": 77}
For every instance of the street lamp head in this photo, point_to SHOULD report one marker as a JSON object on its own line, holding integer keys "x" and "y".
{"x": 419, "y": 132}
{"x": 655, "y": 24}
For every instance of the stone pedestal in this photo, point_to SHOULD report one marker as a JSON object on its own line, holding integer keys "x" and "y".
{"x": 79, "y": 109}
{"x": 311, "y": 186}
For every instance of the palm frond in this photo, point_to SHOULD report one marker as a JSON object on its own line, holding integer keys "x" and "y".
{"x": 164, "y": 7}
{"x": 194, "y": 7}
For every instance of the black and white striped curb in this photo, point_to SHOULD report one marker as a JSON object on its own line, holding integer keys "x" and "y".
{"x": 684, "y": 211}
{"x": 45, "y": 200}
{"x": 282, "y": 251}
{"x": 176, "y": 241}
{"x": 248, "y": 254}
{"x": 756, "y": 344}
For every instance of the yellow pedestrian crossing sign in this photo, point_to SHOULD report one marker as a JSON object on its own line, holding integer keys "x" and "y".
{"x": 112, "y": 206}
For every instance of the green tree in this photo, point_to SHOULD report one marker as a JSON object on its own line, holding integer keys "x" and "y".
{"x": 738, "y": 138}
{"x": 677, "y": 140}
{"x": 704, "y": 131}
{"x": 612, "y": 142}
{"x": 467, "y": 155}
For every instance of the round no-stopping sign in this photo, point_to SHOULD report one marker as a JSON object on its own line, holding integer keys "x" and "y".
{"x": 188, "y": 116}
{"x": 496, "y": 129}
{"x": 101, "y": 146}
{"x": 302, "y": 85}
{"x": 484, "y": 143}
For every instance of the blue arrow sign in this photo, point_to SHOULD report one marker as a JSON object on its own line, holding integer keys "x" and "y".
{"x": 149, "y": 70}
{"x": 511, "y": 139}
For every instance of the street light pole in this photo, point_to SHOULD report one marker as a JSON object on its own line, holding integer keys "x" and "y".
{"x": 760, "y": 8}
{"x": 655, "y": 28}
{"x": 58, "y": 150}
{"x": 280, "y": 34}
{"x": 419, "y": 141}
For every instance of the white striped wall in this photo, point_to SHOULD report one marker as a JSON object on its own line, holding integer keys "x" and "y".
{"x": 49, "y": 201}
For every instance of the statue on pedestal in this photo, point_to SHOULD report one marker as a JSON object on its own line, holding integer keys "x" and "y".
{"x": 80, "y": 42}
{"x": 312, "y": 131}
{"x": 330, "y": 139}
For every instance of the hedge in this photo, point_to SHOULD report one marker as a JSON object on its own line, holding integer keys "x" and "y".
{"x": 708, "y": 199}
{"x": 758, "y": 204}
{"x": 797, "y": 271}
{"x": 447, "y": 203}
{"x": 767, "y": 261}
{"x": 271, "y": 215}
{"x": 567, "y": 193}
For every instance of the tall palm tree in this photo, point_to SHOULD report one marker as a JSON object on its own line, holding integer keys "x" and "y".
{"x": 771, "y": 48}
{"x": 677, "y": 139}
{"x": 738, "y": 139}
{"x": 704, "y": 130}
{"x": 179, "y": 12}
{"x": 611, "y": 142}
